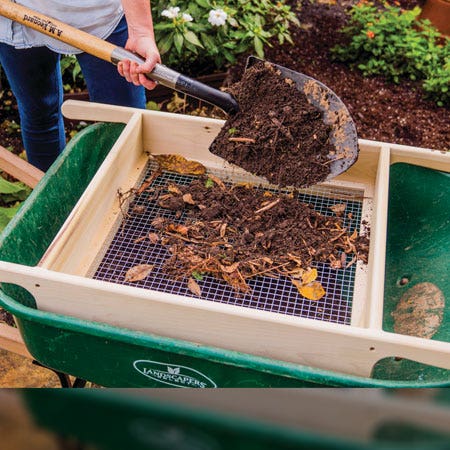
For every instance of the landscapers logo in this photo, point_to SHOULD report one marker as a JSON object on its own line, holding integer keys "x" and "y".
{"x": 173, "y": 375}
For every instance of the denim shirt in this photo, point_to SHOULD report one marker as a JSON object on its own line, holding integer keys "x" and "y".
{"x": 96, "y": 17}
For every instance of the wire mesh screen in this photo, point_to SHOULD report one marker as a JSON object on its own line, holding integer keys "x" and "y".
{"x": 125, "y": 249}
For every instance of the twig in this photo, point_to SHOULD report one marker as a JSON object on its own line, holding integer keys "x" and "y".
{"x": 269, "y": 269}
{"x": 340, "y": 156}
{"x": 149, "y": 181}
{"x": 242, "y": 139}
{"x": 269, "y": 206}
{"x": 338, "y": 236}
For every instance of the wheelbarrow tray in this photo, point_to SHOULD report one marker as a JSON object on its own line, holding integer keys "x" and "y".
{"x": 114, "y": 355}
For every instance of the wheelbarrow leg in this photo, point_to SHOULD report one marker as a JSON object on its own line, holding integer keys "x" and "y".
{"x": 64, "y": 379}
{"x": 69, "y": 444}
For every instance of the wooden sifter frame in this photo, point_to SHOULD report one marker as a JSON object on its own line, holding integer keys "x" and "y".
{"x": 59, "y": 284}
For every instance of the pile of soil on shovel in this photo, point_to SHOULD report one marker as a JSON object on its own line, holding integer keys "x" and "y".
{"x": 277, "y": 133}
{"x": 241, "y": 231}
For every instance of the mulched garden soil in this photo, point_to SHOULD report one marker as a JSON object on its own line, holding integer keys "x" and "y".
{"x": 9, "y": 119}
{"x": 237, "y": 232}
{"x": 276, "y": 133}
{"x": 381, "y": 110}
{"x": 6, "y": 317}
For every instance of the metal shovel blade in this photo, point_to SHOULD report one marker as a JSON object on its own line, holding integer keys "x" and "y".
{"x": 335, "y": 114}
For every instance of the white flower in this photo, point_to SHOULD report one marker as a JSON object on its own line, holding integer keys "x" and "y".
{"x": 171, "y": 12}
{"x": 187, "y": 17}
{"x": 217, "y": 17}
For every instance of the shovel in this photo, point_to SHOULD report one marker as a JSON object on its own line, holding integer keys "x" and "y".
{"x": 343, "y": 135}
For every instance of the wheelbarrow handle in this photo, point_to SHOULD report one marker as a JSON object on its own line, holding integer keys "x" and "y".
{"x": 115, "y": 54}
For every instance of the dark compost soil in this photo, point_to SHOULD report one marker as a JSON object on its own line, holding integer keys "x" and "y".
{"x": 276, "y": 133}
{"x": 238, "y": 232}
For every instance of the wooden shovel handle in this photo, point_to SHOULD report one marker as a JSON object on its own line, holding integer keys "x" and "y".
{"x": 57, "y": 29}
{"x": 114, "y": 54}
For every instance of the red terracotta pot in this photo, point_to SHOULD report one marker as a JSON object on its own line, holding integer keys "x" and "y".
{"x": 438, "y": 13}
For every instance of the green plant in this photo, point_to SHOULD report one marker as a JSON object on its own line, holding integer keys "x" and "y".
{"x": 438, "y": 86}
{"x": 391, "y": 42}
{"x": 216, "y": 32}
{"x": 12, "y": 194}
{"x": 71, "y": 74}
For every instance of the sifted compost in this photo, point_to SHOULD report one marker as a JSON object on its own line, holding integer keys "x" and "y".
{"x": 277, "y": 133}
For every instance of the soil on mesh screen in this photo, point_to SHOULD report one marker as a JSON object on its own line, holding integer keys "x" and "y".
{"x": 238, "y": 232}
{"x": 277, "y": 133}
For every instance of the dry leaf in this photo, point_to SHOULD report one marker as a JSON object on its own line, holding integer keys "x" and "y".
{"x": 223, "y": 229}
{"x": 218, "y": 181}
{"x": 158, "y": 222}
{"x": 229, "y": 269}
{"x": 194, "y": 287}
{"x": 179, "y": 164}
{"x": 308, "y": 287}
{"x": 177, "y": 228}
{"x": 338, "y": 208}
{"x": 306, "y": 26}
{"x": 297, "y": 273}
{"x": 138, "y": 209}
{"x": 335, "y": 263}
{"x": 153, "y": 237}
{"x": 174, "y": 189}
{"x": 309, "y": 276}
{"x": 312, "y": 291}
{"x": 295, "y": 258}
{"x": 187, "y": 198}
{"x": 138, "y": 273}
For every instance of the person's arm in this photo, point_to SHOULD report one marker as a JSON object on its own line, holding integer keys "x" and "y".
{"x": 141, "y": 40}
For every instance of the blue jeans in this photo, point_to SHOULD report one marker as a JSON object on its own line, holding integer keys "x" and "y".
{"x": 35, "y": 78}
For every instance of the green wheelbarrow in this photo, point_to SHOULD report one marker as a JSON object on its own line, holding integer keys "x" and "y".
{"x": 75, "y": 320}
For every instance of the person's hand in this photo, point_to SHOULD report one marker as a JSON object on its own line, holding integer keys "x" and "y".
{"x": 132, "y": 71}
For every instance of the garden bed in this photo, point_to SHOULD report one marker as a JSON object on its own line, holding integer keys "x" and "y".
{"x": 382, "y": 110}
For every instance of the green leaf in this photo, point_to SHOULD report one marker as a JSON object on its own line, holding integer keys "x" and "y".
{"x": 203, "y": 3}
{"x": 152, "y": 106}
{"x": 191, "y": 37}
{"x": 11, "y": 192}
{"x": 76, "y": 71}
{"x": 208, "y": 41}
{"x": 191, "y": 47}
{"x": 178, "y": 42}
{"x": 197, "y": 275}
{"x": 258, "y": 46}
{"x": 6, "y": 214}
{"x": 165, "y": 44}
{"x": 163, "y": 26}
{"x": 229, "y": 56}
